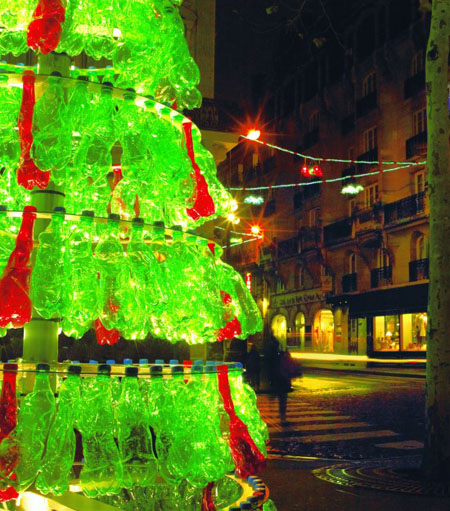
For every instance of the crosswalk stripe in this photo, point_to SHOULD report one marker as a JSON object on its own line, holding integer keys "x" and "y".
{"x": 302, "y": 412}
{"x": 306, "y": 417}
{"x": 318, "y": 427}
{"x": 355, "y": 435}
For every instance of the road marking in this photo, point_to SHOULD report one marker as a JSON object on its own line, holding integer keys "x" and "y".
{"x": 321, "y": 427}
{"x": 356, "y": 435}
{"x": 406, "y": 444}
{"x": 274, "y": 413}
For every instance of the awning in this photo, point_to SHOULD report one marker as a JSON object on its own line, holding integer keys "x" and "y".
{"x": 394, "y": 300}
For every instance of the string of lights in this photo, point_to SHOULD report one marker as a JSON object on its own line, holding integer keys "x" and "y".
{"x": 252, "y": 138}
{"x": 317, "y": 181}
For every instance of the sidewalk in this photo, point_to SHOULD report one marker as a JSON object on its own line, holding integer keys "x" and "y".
{"x": 412, "y": 368}
{"x": 293, "y": 487}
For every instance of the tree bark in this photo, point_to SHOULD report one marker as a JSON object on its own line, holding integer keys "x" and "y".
{"x": 436, "y": 461}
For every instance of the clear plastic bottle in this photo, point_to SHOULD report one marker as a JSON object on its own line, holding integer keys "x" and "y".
{"x": 35, "y": 418}
{"x": 60, "y": 453}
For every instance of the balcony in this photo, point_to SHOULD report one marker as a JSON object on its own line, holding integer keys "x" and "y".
{"x": 350, "y": 282}
{"x": 405, "y": 208}
{"x": 310, "y": 237}
{"x": 366, "y": 104}
{"x": 416, "y": 145}
{"x": 414, "y": 84}
{"x": 371, "y": 155}
{"x": 348, "y": 124}
{"x": 338, "y": 232}
{"x": 311, "y": 191}
{"x": 288, "y": 248}
{"x": 311, "y": 138}
{"x": 380, "y": 276}
{"x": 418, "y": 270}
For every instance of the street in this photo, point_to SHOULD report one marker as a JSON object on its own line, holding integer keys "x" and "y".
{"x": 338, "y": 415}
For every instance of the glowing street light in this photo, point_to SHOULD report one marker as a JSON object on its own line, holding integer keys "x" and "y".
{"x": 232, "y": 218}
{"x": 253, "y": 134}
{"x": 256, "y": 230}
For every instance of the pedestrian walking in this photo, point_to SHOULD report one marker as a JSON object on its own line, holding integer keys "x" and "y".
{"x": 282, "y": 382}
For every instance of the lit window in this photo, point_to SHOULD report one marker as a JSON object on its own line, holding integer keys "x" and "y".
{"x": 370, "y": 139}
{"x": 420, "y": 181}
{"x": 369, "y": 84}
{"x": 370, "y": 195}
{"x": 420, "y": 121}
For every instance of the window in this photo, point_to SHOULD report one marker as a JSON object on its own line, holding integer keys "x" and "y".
{"x": 383, "y": 259}
{"x": 370, "y": 139}
{"x": 351, "y": 206}
{"x": 420, "y": 247}
{"x": 420, "y": 181}
{"x": 370, "y": 195}
{"x": 299, "y": 277}
{"x": 369, "y": 84}
{"x": 417, "y": 63}
{"x": 255, "y": 159}
{"x": 314, "y": 217}
{"x": 420, "y": 121}
{"x": 314, "y": 121}
{"x": 240, "y": 169}
{"x": 387, "y": 333}
{"x": 352, "y": 263}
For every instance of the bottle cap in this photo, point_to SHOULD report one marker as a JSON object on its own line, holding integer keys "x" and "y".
{"x": 104, "y": 368}
{"x": 74, "y": 370}
{"x": 114, "y": 217}
{"x": 143, "y": 361}
{"x": 245, "y": 505}
{"x": 177, "y": 228}
{"x": 131, "y": 371}
{"x": 59, "y": 209}
{"x": 107, "y": 86}
{"x": 252, "y": 499}
{"x": 176, "y": 369}
{"x": 83, "y": 78}
{"x": 173, "y": 361}
{"x": 138, "y": 220}
{"x": 3, "y": 208}
{"x": 156, "y": 370}
{"x": 238, "y": 365}
{"x": 92, "y": 361}
{"x": 111, "y": 361}
{"x": 87, "y": 212}
{"x": 197, "y": 368}
{"x": 10, "y": 367}
{"x": 127, "y": 361}
{"x": 198, "y": 362}
{"x": 55, "y": 73}
{"x": 159, "y": 361}
{"x": 159, "y": 224}
{"x": 42, "y": 367}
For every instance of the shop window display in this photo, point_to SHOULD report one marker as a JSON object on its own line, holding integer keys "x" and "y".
{"x": 387, "y": 333}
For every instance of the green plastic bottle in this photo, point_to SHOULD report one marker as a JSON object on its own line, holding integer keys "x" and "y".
{"x": 60, "y": 453}
{"x": 35, "y": 418}
{"x": 7, "y": 243}
{"x": 47, "y": 278}
{"x": 117, "y": 300}
{"x": 102, "y": 472}
{"x": 134, "y": 437}
{"x": 81, "y": 298}
{"x": 146, "y": 281}
{"x": 52, "y": 138}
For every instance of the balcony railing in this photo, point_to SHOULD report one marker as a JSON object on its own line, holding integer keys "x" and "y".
{"x": 418, "y": 270}
{"x": 366, "y": 104}
{"x": 380, "y": 276}
{"x": 414, "y": 84}
{"x": 416, "y": 145}
{"x": 288, "y": 248}
{"x": 310, "y": 237}
{"x": 371, "y": 155}
{"x": 348, "y": 124}
{"x": 404, "y": 208}
{"x": 350, "y": 282}
{"x": 311, "y": 138}
{"x": 338, "y": 231}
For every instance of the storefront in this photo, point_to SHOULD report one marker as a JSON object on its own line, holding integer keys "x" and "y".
{"x": 393, "y": 322}
{"x": 302, "y": 321}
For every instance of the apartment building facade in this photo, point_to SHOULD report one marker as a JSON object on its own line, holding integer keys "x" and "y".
{"x": 339, "y": 273}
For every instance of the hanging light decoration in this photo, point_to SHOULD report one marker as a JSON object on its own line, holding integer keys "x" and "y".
{"x": 351, "y": 187}
{"x": 314, "y": 171}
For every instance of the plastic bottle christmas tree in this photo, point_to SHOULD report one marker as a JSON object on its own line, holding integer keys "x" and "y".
{"x": 95, "y": 165}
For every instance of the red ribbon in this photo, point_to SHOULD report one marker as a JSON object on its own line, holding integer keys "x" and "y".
{"x": 207, "y": 500}
{"x": 247, "y": 458}
{"x": 29, "y": 174}
{"x": 203, "y": 203}
{"x": 105, "y": 336}
{"x": 44, "y": 32}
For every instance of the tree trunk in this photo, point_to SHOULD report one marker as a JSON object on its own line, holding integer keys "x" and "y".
{"x": 436, "y": 462}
